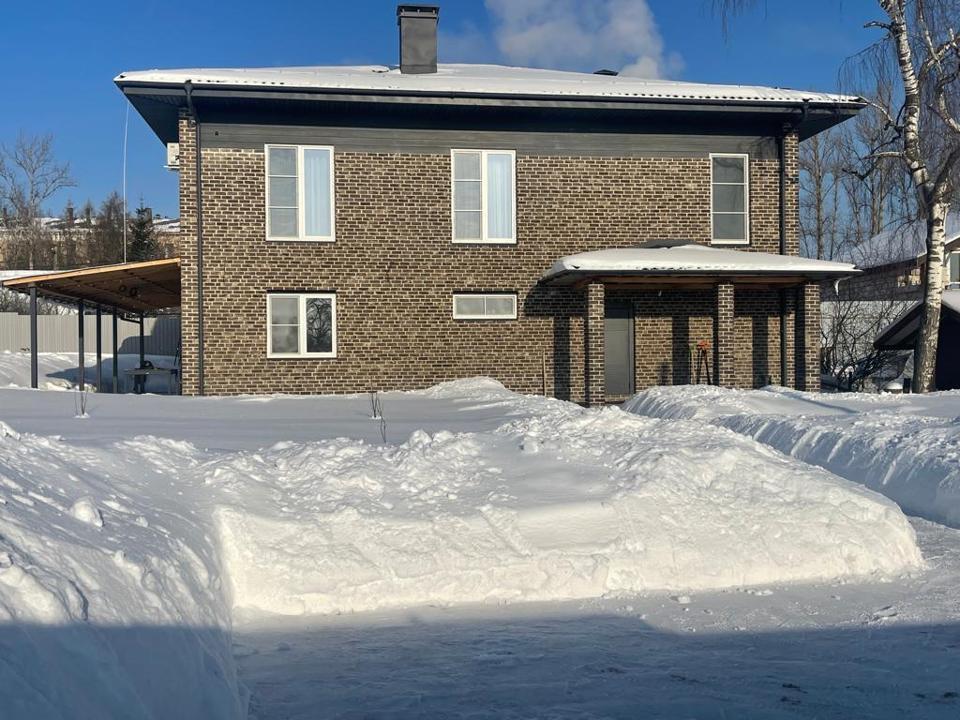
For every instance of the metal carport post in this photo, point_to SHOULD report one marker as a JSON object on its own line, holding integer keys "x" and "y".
{"x": 33, "y": 338}
{"x": 80, "y": 310}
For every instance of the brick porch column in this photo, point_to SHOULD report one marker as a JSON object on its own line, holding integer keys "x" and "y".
{"x": 723, "y": 330}
{"x": 808, "y": 337}
{"x": 594, "y": 380}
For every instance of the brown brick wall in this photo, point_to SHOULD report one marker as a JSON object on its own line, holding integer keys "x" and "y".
{"x": 808, "y": 330}
{"x": 394, "y": 267}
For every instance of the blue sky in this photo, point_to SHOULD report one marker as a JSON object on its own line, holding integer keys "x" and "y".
{"x": 58, "y": 57}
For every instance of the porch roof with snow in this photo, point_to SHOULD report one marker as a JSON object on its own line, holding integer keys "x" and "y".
{"x": 682, "y": 261}
{"x": 134, "y": 287}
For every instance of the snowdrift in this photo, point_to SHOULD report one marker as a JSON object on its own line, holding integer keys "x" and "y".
{"x": 110, "y": 591}
{"x": 906, "y": 447}
{"x": 563, "y": 504}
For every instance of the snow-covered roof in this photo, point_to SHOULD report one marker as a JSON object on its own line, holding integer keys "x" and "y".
{"x": 902, "y": 242}
{"x": 494, "y": 80}
{"x": 681, "y": 258}
{"x": 899, "y": 333}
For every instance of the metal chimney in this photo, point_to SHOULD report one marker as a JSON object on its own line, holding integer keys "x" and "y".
{"x": 418, "y": 38}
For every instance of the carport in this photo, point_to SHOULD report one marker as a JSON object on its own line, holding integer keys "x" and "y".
{"x": 128, "y": 291}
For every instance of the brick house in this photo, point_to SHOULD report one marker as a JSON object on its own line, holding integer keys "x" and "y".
{"x": 893, "y": 263}
{"x": 357, "y": 228}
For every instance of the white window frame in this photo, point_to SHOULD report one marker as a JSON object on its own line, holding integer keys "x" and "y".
{"x": 746, "y": 199}
{"x": 484, "y": 240}
{"x": 484, "y": 295}
{"x": 301, "y": 205}
{"x": 302, "y": 325}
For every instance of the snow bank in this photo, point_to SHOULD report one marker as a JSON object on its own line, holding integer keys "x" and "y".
{"x": 567, "y": 503}
{"x": 906, "y": 447}
{"x": 110, "y": 599}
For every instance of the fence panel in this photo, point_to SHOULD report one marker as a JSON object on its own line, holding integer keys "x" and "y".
{"x": 58, "y": 333}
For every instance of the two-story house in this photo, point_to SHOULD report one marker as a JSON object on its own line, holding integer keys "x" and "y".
{"x": 350, "y": 229}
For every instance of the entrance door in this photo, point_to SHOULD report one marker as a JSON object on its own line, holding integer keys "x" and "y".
{"x": 618, "y": 361}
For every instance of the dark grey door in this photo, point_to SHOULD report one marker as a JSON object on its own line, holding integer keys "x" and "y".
{"x": 618, "y": 348}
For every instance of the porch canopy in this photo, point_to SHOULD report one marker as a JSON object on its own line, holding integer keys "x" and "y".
{"x": 125, "y": 289}
{"x": 135, "y": 287}
{"x": 686, "y": 266}
{"x": 689, "y": 265}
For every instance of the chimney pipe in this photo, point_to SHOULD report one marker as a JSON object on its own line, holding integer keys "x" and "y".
{"x": 418, "y": 38}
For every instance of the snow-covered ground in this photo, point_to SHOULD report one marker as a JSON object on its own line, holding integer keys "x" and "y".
{"x": 904, "y": 446}
{"x": 476, "y": 554}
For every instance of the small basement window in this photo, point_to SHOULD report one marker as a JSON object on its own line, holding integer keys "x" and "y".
{"x": 301, "y": 325}
{"x": 484, "y": 306}
{"x": 300, "y": 193}
{"x": 729, "y": 199}
{"x": 484, "y": 196}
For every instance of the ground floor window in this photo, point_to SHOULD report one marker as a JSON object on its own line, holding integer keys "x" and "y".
{"x": 485, "y": 306}
{"x": 301, "y": 325}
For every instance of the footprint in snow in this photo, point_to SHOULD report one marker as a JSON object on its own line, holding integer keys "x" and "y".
{"x": 883, "y": 614}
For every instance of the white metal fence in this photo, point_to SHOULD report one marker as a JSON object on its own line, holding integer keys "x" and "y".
{"x": 58, "y": 333}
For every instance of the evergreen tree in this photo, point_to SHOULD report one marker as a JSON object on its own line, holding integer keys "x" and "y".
{"x": 106, "y": 236}
{"x": 143, "y": 237}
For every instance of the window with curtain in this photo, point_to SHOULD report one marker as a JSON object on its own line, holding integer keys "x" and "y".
{"x": 301, "y": 325}
{"x": 730, "y": 199}
{"x": 300, "y": 192}
{"x": 484, "y": 196}
{"x": 485, "y": 306}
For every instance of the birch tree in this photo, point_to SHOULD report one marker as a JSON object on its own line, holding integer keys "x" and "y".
{"x": 922, "y": 37}
{"x": 920, "y": 44}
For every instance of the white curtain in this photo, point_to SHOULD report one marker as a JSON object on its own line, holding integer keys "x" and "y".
{"x": 500, "y": 196}
{"x": 316, "y": 169}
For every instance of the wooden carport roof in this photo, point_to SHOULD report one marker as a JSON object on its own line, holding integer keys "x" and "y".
{"x": 134, "y": 287}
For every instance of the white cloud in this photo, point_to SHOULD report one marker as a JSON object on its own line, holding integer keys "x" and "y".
{"x": 570, "y": 35}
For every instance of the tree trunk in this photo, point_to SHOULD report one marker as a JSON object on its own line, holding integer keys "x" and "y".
{"x": 925, "y": 357}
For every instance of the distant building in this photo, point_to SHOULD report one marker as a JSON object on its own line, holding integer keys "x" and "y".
{"x": 902, "y": 335}
{"x": 57, "y": 228}
{"x": 893, "y": 264}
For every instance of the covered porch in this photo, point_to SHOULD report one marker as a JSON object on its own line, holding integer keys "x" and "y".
{"x": 673, "y": 313}
{"x": 128, "y": 292}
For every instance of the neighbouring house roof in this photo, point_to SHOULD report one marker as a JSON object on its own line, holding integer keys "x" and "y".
{"x": 672, "y": 258}
{"x": 493, "y": 80}
{"x": 903, "y": 242}
{"x": 133, "y": 287}
{"x": 899, "y": 335}
{"x": 157, "y": 94}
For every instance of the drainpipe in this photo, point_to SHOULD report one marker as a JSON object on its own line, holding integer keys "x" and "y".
{"x": 188, "y": 88}
{"x": 782, "y": 157}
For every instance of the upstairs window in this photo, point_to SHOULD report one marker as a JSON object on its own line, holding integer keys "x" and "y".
{"x": 300, "y": 192}
{"x": 484, "y": 196}
{"x": 953, "y": 268}
{"x": 730, "y": 199}
{"x": 301, "y": 325}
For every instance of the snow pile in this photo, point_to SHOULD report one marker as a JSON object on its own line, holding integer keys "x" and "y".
{"x": 110, "y": 599}
{"x": 565, "y": 503}
{"x": 906, "y": 446}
